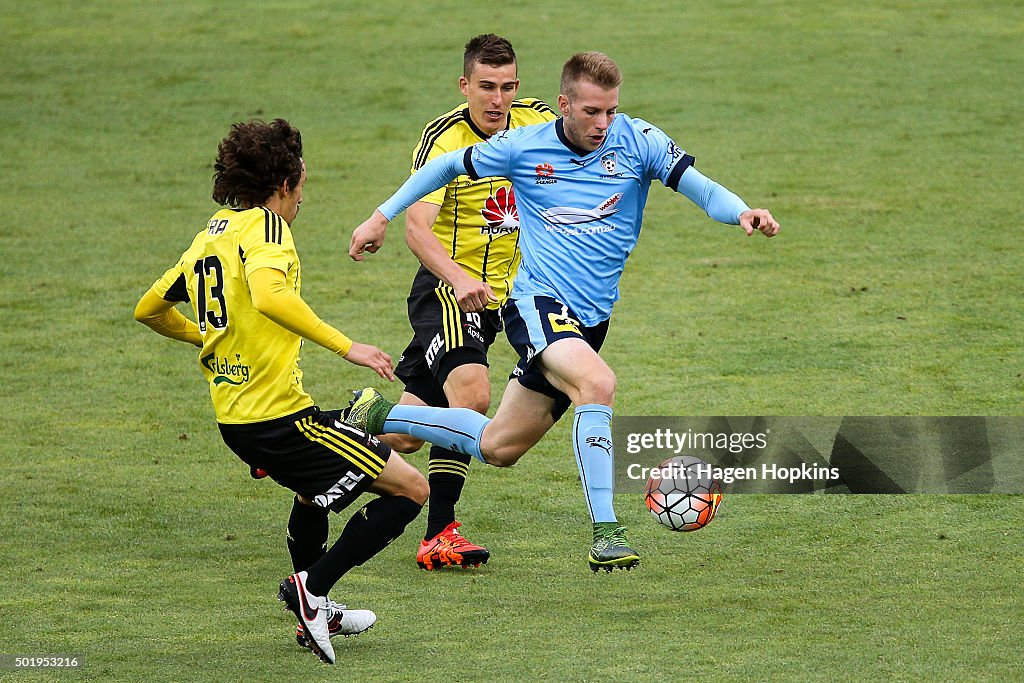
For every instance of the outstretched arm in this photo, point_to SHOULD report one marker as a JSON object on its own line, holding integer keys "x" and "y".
{"x": 272, "y": 297}
{"x": 436, "y": 173}
{"x": 724, "y": 206}
{"x": 162, "y": 317}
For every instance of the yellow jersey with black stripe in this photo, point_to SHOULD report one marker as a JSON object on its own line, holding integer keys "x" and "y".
{"x": 478, "y": 223}
{"x": 251, "y": 362}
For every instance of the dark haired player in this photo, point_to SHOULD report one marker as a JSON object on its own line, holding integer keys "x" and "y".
{"x": 242, "y": 277}
{"x": 466, "y": 236}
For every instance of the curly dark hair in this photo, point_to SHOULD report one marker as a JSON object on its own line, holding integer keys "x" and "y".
{"x": 254, "y": 160}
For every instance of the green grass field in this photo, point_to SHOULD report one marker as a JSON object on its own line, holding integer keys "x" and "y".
{"x": 885, "y": 137}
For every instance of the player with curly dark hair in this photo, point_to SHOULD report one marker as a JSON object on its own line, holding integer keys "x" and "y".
{"x": 254, "y": 160}
{"x": 242, "y": 277}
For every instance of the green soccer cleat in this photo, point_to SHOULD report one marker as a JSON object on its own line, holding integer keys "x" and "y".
{"x": 611, "y": 550}
{"x": 368, "y": 411}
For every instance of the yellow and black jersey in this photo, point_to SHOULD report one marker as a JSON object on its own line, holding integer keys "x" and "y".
{"x": 478, "y": 223}
{"x": 251, "y": 362}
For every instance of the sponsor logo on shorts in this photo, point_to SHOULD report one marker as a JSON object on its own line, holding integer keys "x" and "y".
{"x": 344, "y": 486}
{"x": 435, "y": 345}
{"x": 563, "y": 322}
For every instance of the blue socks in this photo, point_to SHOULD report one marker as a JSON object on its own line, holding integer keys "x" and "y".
{"x": 592, "y": 445}
{"x": 460, "y": 429}
{"x": 457, "y": 429}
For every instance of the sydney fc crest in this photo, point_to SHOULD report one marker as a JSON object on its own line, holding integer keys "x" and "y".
{"x": 608, "y": 161}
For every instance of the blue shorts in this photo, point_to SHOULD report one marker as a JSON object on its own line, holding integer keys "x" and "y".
{"x": 531, "y": 325}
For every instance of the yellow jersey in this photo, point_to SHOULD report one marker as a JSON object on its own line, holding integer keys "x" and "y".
{"x": 251, "y": 362}
{"x": 478, "y": 223}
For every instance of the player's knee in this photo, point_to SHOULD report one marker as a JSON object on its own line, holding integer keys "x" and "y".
{"x": 402, "y": 443}
{"x": 503, "y": 458}
{"x": 598, "y": 389}
{"x": 414, "y": 486}
{"x": 475, "y": 395}
{"x": 479, "y": 402}
{"x": 504, "y": 454}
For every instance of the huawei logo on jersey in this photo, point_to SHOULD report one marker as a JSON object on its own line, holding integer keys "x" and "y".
{"x": 500, "y": 213}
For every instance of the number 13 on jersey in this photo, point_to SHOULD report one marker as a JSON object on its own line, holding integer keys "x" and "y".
{"x": 211, "y": 275}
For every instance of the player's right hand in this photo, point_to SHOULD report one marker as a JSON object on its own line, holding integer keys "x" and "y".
{"x": 473, "y": 295}
{"x": 761, "y": 220}
{"x": 371, "y": 357}
{"x": 369, "y": 236}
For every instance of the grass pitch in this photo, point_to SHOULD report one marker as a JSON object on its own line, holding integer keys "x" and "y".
{"x": 884, "y": 136}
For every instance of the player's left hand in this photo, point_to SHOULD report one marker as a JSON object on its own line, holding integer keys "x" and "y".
{"x": 761, "y": 220}
{"x": 369, "y": 236}
{"x": 371, "y": 357}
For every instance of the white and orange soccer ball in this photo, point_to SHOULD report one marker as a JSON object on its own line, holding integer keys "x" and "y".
{"x": 682, "y": 495}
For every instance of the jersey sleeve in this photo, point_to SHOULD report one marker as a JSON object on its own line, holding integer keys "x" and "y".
{"x": 172, "y": 285}
{"x": 717, "y": 201}
{"x": 426, "y": 150}
{"x": 492, "y": 157}
{"x": 664, "y": 159}
{"x": 265, "y": 243}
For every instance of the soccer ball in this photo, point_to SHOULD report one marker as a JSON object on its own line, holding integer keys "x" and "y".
{"x": 680, "y": 497}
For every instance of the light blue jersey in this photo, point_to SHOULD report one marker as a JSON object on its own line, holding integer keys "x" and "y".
{"x": 580, "y": 212}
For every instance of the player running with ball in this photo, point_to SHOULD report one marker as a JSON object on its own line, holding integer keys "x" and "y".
{"x": 581, "y": 183}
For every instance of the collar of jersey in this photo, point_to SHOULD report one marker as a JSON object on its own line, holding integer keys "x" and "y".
{"x": 578, "y": 151}
{"x": 473, "y": 127}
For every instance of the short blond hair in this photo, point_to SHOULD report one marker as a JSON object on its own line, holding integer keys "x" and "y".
{"x": 596, "y": 67}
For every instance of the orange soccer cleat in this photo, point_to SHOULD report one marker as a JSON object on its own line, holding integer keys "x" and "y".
{"x": 450, "y": 548}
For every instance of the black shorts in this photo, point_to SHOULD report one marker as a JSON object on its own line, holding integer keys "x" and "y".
{"x": 533, "y": 323}
{"x": 312, "y": 453}
{"x": 444, "y": 337}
